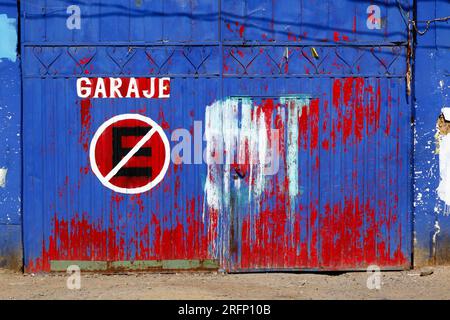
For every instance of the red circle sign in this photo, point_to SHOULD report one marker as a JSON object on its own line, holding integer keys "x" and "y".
{"x": 130, "y": 153}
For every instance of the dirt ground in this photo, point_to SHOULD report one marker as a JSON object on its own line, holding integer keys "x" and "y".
{"x": 394, "y": 285}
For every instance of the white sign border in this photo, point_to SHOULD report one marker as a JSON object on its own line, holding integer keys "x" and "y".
{"x": 99, "y": 132}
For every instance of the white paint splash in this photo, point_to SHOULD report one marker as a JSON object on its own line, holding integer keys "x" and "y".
{"x": 230, "y": 132}
{"x": 295, "y": 109}
{"x": 3, "y": 172}
{"x": 242, "y": 151}
{"x": 236, "y": 132}
{"x": 437, "y": 230}
{"x": 260, "y": 145}
{"x": 245, "y": 135}
{"x": 446, "y": 113}
{"x": 444, "y": 169}
{"x": 213, "y": 129}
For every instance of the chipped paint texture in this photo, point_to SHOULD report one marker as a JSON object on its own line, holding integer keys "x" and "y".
{"x": 239, "y": 144}
{"x": 431, "y": 141}
{"x": 241, "y": 140}
{"x": 8, "y": 43}
{"x": 294, "y": 107}
{"x": 3, "y": 172}
{"x": 443, "y": 189}
{"x": 446, "y": 113}
{"x": 444, "y": 169}
{"x": 271, "y": 220}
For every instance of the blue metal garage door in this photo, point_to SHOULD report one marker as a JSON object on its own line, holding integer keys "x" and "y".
{"x": 288, "y": 125}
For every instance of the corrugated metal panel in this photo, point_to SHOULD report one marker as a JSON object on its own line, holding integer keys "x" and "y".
{"x": 333, "y": 89}
{"x": 345, "y": 207}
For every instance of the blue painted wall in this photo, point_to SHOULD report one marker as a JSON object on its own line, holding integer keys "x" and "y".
{"x": 10, "y": 150}
{"x": 432, "y": 83}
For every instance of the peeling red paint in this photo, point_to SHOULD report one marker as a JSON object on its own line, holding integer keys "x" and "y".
{"x": 336, "y": 36}
{"x": 239, "y": 28}
{"x": 357, "y": 116}
{"x": 86, "y": 121}
{"x": 81, "y": 239}
{"x": 241, "y": 31}
{"x": 348, "y": 233}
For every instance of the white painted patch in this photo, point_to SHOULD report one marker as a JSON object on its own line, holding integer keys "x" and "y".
{"x": 236, "y": 133}
{"x": 3, "y": 172}
{"x": 230, "y": 132}
{"x": 295, "y": 109}
{"x": 294, "y": 112}
{"x": 261, "y": 144}
{"x": 444, "y": 169}
{"x": 232, "y": 126}
{"x": 437, "y": 230}
{"x": 213, "y": 127}
{"x": 446, "y": 113}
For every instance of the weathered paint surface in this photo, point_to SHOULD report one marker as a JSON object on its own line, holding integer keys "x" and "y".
{"x": 10, "y": 150}
{"x": 331, "y": 90}
{"x": 3, "y": 173}
{"x": 444, "y": 170}
{"x": 333, "y": 210}
{"x": 432, "y": 70}
{"x": 443, "y": 149}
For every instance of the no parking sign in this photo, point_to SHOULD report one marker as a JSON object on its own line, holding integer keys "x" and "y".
{"x": 130, "y": 153}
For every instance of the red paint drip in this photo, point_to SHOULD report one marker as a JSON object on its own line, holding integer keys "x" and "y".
{"x": 314, "y": 123}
